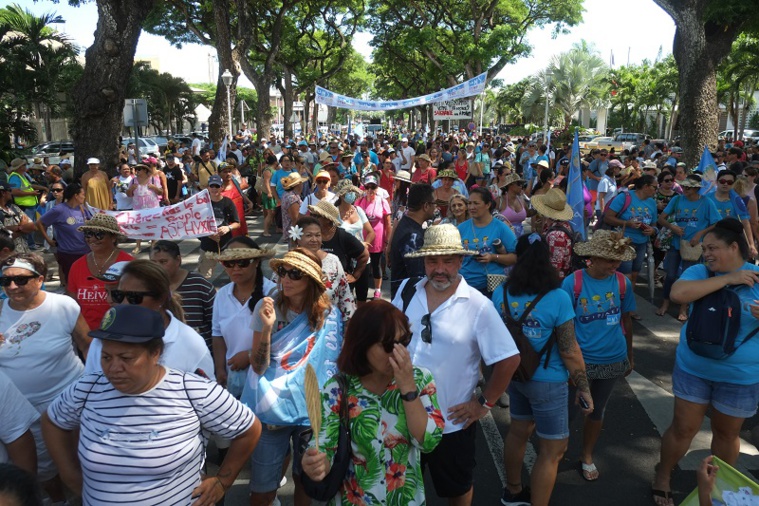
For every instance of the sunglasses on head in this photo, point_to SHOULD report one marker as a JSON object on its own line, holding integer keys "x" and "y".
{"x": 96, "y": 234}
{"x": 133, "y": 298}
{"x": 5, "y": 281}
{"x": 294, "y": 274}
{"x": 405, "y": 340}
{"x": 241, "y": 263}
{"x": 726, "y": 181}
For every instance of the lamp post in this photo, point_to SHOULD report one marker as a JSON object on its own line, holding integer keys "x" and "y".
{"x": 482, "y": 111}
{"x": 545, "y": 116}
{"x": 227, "y": 78}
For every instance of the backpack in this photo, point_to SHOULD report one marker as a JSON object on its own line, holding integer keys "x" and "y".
{"x": 714, "y": 323}
{"x": 576, "y": 262}
{"x": 577, "y": 290}
{"x": 601, "y": 223}
{"x": 530, "y": 359}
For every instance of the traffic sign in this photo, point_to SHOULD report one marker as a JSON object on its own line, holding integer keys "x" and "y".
{"x": 135, "y": 112}
{"x": 471, "y": 125}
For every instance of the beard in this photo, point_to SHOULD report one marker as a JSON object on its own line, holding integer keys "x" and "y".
{"x": 441, "y": 285}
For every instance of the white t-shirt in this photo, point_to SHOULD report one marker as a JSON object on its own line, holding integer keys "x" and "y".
{"x": 356, "y": 229}
{"x": 38, "y": 352}
{"x": 231, "y": 320}
{"x": 466, "y": 328}
{"x": 16, "y": 415}
{"x": 409, "y": 152}
{"x": 153, "y": 456}
{"x": 195, "y": 146}
{"x": 608, "y": 187}
{"x": 123, "y": 202}
{"x": 396, "y": 163}
{"x": 311, "y": 200}
{"x": 184, "y": 350}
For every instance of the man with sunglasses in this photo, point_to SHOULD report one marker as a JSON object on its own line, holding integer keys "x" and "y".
{"x": 595, "y": 173}
{"x": 730, "y": 205}
{"x": 227, "y": 219}
{"x": 454, "y": 328}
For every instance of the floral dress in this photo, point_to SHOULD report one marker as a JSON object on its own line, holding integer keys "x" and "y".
{"x": 386, "y": 460}
{"x": 12, "y": 216}
{"x": 338, "y": 289}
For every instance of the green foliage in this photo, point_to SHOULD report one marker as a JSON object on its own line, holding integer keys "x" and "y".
{"x": 753, "y": 122}
{"x": 206, "y": 98}
{"x": 169, "y": 98}
{"x": 738, "y": 76}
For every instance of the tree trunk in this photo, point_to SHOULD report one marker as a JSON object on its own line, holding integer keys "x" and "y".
{"x": 99, "y": 95}
{"x": 287, "y": 97}
{"x": 218, "y": 122}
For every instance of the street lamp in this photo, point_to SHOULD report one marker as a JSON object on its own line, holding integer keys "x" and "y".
{"x": 482, "y": 111}
{"x": 227, "y": 78}
{"x": 548, "y": 75}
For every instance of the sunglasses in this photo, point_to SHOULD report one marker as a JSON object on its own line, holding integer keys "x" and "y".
{"x": 322, "y": 181}
{"x": 214, "y": 186}
{"x": 56, "y": 190}
{"x": 427, "y": 328}
{"x": 96, "y": 234}
{"x": 6, "y": 281}
{"x": 241, "y": 263}
{"x": 133, "y": 298}
{"x": 726, "y": 181}
{"x": 294, "y": 274}
{"x": 668, "y": 180}
{"x": 405, "y": 340}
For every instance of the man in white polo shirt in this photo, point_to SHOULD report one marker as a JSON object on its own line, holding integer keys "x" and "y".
{"x": 407, "y": 155}
{"x": 454, "y": 327}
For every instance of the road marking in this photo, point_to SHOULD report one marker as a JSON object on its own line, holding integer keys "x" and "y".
{"x": 495, "y": 446}
{"x": 659, "y": 406}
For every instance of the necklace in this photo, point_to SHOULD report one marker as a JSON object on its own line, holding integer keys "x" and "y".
{"x": 95, "y": 261}
{"x": 348, "y": 214}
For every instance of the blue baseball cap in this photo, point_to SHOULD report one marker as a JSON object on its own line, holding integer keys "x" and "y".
{"x": 128, "y": 323}
{"x": 303, "y": 143}
{"x": 215, "y": 179}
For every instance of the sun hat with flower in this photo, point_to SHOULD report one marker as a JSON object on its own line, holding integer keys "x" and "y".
{"x": 607, "y": 244}
{"x": 449, "y": 173}
{"x": 102, "y": 223}
{"x": 297, "y": 260}
{"x": 442, "y": 239}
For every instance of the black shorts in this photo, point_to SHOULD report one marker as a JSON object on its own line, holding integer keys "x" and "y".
{"x": 452, "y": 463}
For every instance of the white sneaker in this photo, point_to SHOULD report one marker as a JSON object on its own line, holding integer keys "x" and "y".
{"x": 283, "y": 482}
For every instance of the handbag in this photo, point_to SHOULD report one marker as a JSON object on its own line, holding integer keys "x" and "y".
{"x": 494, "y": 281}
{"x": 326, "y": 489}
{"x": 688, "y": 252}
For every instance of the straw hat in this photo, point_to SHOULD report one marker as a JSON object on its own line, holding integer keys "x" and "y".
{"x": 345, "y": 186}
{"x": 424, "y": 157}
{"x": 447, "y": 173}
{"x": 691, "y": 182}
{"x": 511, "y": 179}
{"x": 297, "y": 260}
{"x": 325, "y": 156}
{"x": 607, "y": 244}
{"x": 553, "y": 204}
{"x": 293, "y": 180}
{"x": 347, "y": 154}
{"x": 441, "y": 240}
{"x": 103, "y": 223}
{"x": 325, "y": 210}
{"x": 241, "y": 254}
{"x": 403, "y": 175}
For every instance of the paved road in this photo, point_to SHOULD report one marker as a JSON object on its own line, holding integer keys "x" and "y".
{"x": 639, "y": 411}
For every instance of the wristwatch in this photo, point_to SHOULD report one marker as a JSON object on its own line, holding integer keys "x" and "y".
{"x": 484, "y": 403}
{"x": 410, "y": 396}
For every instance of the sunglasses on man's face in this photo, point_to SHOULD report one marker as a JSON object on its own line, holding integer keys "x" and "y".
{"x": 241, "y": 263}
{"x": 6, "y": 281}
{"x": 214, "y": 186}
{"x": 294, "y": 274}
{"x": 134, "y": 298}
{"x": 726, "y": 181}
{"x": 94, "y": 234}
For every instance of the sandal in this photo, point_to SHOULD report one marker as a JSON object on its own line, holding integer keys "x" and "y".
{"x": 589, "y": 471}
{"x": 636, "y": 316}
{"x": 662, "y": 497}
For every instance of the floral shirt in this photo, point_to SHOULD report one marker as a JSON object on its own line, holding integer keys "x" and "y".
{"x": 338, "y": 290}
{"x": 560, "y": 245}
{"x": 386, "y": 460}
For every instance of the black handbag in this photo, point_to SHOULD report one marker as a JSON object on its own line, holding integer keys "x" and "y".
{"x": 326, "y": 489}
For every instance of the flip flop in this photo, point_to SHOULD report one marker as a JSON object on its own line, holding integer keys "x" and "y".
{"x": 666, "y": 497}
{"x": 636, "y": 316}
{"x": 587, "y": 470}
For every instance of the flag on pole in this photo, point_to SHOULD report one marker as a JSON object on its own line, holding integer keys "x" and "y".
{"x": 221, "y": 155}
{"x": 707, "y": 167}
{"x": 575, "y": 197}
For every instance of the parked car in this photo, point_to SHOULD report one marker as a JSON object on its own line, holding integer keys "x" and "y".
{"x": 146, "y": 145}
{"x": 52, "y": 150}
{"x": 162, "y": 142}
{"x": 595, "y": 143}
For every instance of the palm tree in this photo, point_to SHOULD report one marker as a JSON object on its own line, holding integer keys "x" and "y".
{"x": 740, "y": 72}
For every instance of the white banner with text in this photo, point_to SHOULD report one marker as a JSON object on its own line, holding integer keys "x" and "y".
{"x": 452, "y": 109}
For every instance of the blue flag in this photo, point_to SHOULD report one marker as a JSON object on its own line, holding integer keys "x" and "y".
{"x": 575, "y": 197}
{"x": 707, "y": 167}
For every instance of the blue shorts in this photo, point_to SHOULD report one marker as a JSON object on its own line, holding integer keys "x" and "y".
{"x": 738, "y": 401}
{"x": 542, "y": 402}
{"x": 271, "y": 451}
{"x": 636, "y": 264}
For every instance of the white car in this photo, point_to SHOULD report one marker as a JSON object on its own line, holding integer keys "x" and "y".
{"x": 147, "y": 145}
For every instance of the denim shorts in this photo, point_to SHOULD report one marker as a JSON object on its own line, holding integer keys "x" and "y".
{"x": 636, "y": 264}
{"x": 738, "y": 401}
{"x": 269, "y": 456}
{"x": 542, "y": 402}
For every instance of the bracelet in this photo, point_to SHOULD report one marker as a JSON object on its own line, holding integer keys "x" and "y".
{"x": 218, "y": 480}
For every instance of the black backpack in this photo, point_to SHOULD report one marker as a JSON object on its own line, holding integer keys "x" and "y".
{"x": 714, "y": 323}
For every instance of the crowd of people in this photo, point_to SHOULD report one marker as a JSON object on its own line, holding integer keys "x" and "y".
{"x": 113, "y": 390}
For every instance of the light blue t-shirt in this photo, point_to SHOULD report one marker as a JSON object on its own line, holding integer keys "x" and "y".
{"x": 742, "y": 367}
{"x": 598, "y": 320}
{"x": 728, "y": 209}
{"x": 553, "y": 310}
{"x": 276, "y": 180}
{"x": 691, "y": 216}
{"x": 598, "y": 168}
{"x": 526, "y": 161}
{"x": 641, "y": 210}
{"x": 480, "y": 239}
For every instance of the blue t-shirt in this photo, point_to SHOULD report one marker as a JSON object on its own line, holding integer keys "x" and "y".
{"x": 742, "y": 367}
{"x": 526, "y": 161}
{"x": 598, "y": 168}
{"x": 728, "y": 209}
{"x": 480, "y": 239}
{"x": 358, "y": 159}
{"x": 65, "y": 221}
{"x": 553, "y": 310}
{"x": 276, "y": 179}
{"x": 641, "y": 210}
{"x": 691, "y": 216}
{"x": 598, "y": 320}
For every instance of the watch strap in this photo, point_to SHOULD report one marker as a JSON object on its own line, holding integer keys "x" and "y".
{"x": 410, "y": 396}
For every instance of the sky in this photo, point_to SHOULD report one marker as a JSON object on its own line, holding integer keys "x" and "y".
{"x": 638, "y": 28}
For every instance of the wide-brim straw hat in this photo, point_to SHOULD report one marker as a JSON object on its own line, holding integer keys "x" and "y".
{"x": 553, "y": 204}
{"x": 403, "y": 175}
{"x": 241, "y": 254}
{"x": 326, "y": 210}
{"x": 607, "y": 244}
{"x": 292, "y": 181}
{"x": 297, "y": 260}
{"x": 424, "y": 157}
{"x": 325, "y": 156}
{"x": 441, "y": 240}
{"x": 447, "y": 173}
{"x": 103, "y": 223}
{"x": 511, "y": 179}
{"x": 689, "y": 182}
{"x": 345, "y": 186}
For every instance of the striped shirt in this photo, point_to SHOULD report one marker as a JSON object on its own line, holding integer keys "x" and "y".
{"x": 146, "y": 449}
{"x": 197, "y": 301}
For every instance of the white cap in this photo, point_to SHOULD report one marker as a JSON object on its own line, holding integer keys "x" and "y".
{"x": 405, "y": 139}
{"x": 91, "y": 161}
{"x": 113, "y": 274}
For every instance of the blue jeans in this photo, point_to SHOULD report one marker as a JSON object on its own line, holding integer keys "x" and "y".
{"x": 674, "y": 265}
{"x": 636, "y": 264}
{"x": 31, "y": 212}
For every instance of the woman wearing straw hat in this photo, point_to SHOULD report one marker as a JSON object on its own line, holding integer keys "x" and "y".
{"x": 512, "y": 203}
{"x": 693, "y": 215}
{"x": 86, "y": 281}
{"x": 299, "y": 326}
{"x": 291, "y": 201}
{"x": 353, "y": 220}
{"x": 444, "y": 193}
{"x": 556, "y": 213}
{"x": 603, "y": 301}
